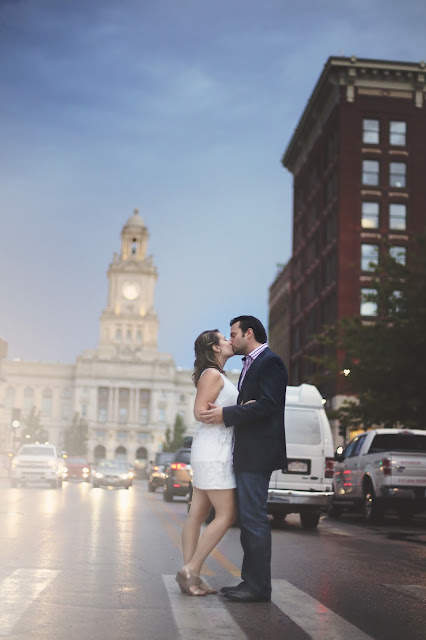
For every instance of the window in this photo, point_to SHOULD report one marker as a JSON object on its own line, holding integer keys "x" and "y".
{"x": 368, "y": 308}
{"x": 84, "y": 410}
{"x": 369, "y": 256}
{"x": 143, "y": 436}
{"x": 358, "y": 442}
{"x": 46, "y": 402}
{"x": 370, "y": 172}
{"x": 128, "y": 335}
{"x": 397, "y": 133}
{"x": 123, "y": 405}
{"x": 370, "y": 215}
{"x": 102, "y": 404}
{"x": 143, "y": 415}
{"x": 122, "y": 435}
{"x": 302, "y": 426}
{"x": 398, "y": 254}
{"x": 118, "y": 333}
{"x": 370, "y": 131}
{"x": 397, "y": 216}
{"x": 99, "y": 434}
{"x": 398, "y": 442}
{"x": 397, "y": 171}
{"x": 28, "y": 400}
{"x": 161, "y": 415}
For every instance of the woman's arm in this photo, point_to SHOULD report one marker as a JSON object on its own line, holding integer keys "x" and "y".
{"x": 209, "y": 387}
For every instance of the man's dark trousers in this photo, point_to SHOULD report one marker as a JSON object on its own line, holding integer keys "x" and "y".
{"x": 252, "y": 491}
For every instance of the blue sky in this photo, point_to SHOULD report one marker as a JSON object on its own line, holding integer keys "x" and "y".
{"x": 182, "y": 109}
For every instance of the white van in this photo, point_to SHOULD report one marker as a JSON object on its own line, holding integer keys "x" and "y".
{"x": 306, "y": 487}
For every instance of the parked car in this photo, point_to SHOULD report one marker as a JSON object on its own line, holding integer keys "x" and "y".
{"x": 177, "y": 475}
{"x": 157, "y": 476}
{"x": 305, "y": 486}
{"x": 382, "y": 470}
{"x": 36, "y": 463}
{"x": 76, "y": 467}
{"x": 112, "y": 473}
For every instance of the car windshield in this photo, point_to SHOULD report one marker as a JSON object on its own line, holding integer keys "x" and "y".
{"x": 183, "y": 456}
{"x": 28, "y": 450}
{"x": 398, "y": 442}
{"x": 113, "y": 465}
{"x": 302, "y": 426}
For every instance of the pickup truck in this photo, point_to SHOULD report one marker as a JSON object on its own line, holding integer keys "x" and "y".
{"x": 380, "y": 470}
{"x": 36, "y": 463}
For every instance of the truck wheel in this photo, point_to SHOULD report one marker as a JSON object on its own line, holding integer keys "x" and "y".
{"x": 151, "y": 487}
{"x": 310, "y": 519}
{"x": 373, "y": 510}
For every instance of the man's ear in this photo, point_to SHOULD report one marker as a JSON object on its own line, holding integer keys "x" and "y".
{"x": 249, "y": 333}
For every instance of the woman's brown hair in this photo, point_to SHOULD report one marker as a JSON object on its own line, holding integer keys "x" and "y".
{"x": 204, "y": 355}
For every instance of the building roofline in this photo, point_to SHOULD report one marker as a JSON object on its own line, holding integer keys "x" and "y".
{"x": 334, "y": 63}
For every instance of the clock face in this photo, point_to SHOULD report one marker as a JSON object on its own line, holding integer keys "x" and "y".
{"x": 130, "y": 290}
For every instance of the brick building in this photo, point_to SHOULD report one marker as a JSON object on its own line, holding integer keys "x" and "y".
{"x": 358, "y": 157}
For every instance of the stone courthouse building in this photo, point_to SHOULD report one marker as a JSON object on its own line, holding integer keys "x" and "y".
{"x": 126, "y": 390}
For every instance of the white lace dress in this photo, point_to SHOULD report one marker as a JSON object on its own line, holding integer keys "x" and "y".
{"x": 211, "y": 451}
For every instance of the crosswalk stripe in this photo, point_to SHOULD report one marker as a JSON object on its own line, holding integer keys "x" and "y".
{"x": 414, "y": 590}
{"x": 310, "y": 615}
{"x": 203, "y": 615}
{"x": 18, "y": 591}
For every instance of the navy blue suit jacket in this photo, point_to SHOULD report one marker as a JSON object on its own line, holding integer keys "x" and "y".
{"x": 259, "y": 426}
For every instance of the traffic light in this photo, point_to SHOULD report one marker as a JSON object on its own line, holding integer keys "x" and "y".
{"x": 16, "y": 418}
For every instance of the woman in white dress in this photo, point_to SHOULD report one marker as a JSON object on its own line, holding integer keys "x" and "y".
{"x": 211, "y": 461}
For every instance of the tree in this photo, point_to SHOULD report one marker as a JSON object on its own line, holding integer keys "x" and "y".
{"x": 76, "y": 436}
{"x": 33, "y": 430}
{"x": 175, "y": 441}
{"x": 385, "y": 355}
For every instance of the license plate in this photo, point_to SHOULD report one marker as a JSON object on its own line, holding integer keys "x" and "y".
{"x": 296, "y": 466}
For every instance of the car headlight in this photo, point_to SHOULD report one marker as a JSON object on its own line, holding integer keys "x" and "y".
{"x": 99, "y": 475}
{"x": 65, "y": 470}
{"x": 85, "y": 470}
{"x": 131, "y": 474}
{"x": 124, "y": 476}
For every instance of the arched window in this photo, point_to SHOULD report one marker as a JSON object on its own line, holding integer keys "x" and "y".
{"x": 28, "y": 402}
{"x": 120, "y": 453}
{"x": 99, "y": 453}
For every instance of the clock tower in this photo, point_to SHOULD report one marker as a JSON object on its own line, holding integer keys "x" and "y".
{"x": 129, "y": 324}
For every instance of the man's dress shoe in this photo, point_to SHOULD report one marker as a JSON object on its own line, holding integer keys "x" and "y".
{"x": 236, "y": 588}
{"x": 245, "y": 595}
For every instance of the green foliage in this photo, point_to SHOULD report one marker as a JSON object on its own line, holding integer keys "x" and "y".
{"x": 76, "y": 436}
{"x": 33, "y": 428}
{"x": 385, "y": 355}
{"x": 175, "y": 441}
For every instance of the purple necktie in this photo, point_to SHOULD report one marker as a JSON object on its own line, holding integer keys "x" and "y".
{"x": 247, "y": 362}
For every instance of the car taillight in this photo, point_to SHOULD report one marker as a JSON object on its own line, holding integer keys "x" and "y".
{"x": 156, "y": 468}
{"x": 329, "y": 467}
{"x": 386, "y": 466}
{"x": 178, "y": 465}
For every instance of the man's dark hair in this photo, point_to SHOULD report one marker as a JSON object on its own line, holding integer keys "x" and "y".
{"x": 250, "y": 322}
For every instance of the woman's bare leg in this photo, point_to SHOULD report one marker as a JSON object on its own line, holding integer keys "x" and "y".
{"x": 223, "y": 501}
{"x": 200, "y": 508}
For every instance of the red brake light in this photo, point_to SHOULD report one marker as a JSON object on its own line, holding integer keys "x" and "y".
{"x": 329, "y": 467}
{"x": 386, "y": 465}
{"x": 156, "y": 468}
{"x": 178, "y": 465}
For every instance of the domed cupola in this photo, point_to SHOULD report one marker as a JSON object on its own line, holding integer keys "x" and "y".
{"x": 134, "y": 238}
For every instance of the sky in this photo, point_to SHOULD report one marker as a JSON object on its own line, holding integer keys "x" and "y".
{"x": 182, "y": 109}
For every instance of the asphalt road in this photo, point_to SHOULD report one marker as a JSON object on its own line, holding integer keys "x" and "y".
{"x": 99, "y": 564}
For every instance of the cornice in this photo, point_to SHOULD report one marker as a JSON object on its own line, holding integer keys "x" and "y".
{"x": 370, "y": 77}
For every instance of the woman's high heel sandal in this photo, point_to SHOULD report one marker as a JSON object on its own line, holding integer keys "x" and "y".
{"x": 187, "y": 582}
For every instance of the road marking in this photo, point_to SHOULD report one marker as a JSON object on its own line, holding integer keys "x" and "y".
{"x": 200, "y": 616}
{"x": 414, "y": 590}
{"x": 310, "y": 615}
{"x": 18, "y": 591}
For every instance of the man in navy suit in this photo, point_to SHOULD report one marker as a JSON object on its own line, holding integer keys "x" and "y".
{"x": 259, "y": 449}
